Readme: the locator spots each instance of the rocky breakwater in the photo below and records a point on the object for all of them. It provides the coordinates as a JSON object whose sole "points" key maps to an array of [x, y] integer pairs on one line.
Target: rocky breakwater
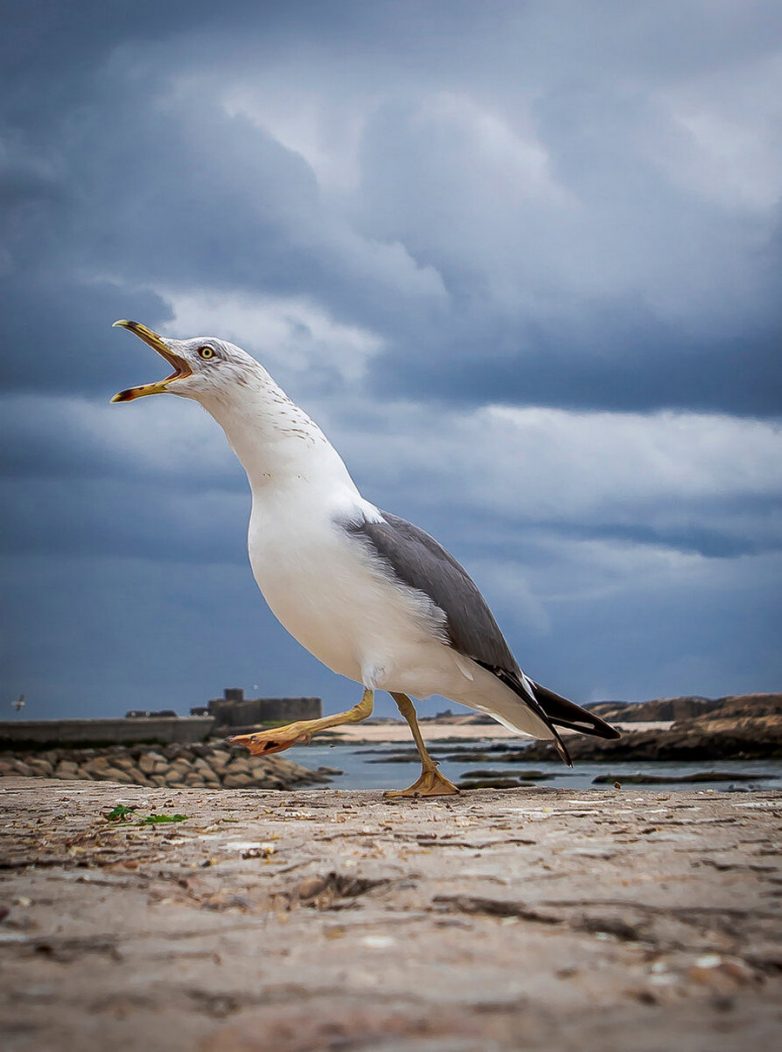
{"points": [[658, 710], [742, 727], [211, 766]]}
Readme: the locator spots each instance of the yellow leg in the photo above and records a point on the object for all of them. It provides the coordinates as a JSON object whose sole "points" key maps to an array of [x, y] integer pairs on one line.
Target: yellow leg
{"points": [[262, 743], [431, 782]]}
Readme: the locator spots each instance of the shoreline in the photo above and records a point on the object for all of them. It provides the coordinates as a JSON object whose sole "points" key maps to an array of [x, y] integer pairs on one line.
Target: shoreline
{"points": [[398, 731]]}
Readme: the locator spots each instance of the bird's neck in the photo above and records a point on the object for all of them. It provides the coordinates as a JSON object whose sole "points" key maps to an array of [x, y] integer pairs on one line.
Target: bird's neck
{"points": [[276, 441]]}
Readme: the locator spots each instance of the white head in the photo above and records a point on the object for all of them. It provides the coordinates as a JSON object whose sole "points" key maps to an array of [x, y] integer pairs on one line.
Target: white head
{"points": [[205, 368], [271, 435]]}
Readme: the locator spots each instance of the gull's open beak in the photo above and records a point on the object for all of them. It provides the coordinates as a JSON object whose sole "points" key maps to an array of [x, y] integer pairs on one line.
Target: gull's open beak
{"points": [[180, 366]]}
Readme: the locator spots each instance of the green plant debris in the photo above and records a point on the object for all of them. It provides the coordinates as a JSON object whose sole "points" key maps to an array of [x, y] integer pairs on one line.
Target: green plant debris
{"points": [[120, 813], [153, 820]]}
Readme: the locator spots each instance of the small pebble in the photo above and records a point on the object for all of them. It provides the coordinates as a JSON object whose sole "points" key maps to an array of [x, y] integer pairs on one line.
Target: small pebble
{"points": [[378, 942]]}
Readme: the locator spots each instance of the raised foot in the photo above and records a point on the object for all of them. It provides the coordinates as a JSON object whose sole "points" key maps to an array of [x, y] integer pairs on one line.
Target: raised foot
{"points": [[264, 743], [431, 783]]}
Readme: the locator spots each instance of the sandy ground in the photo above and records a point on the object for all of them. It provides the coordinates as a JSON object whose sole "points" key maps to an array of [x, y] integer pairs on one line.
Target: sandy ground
{"points": [[314, 920], [400, 732]]}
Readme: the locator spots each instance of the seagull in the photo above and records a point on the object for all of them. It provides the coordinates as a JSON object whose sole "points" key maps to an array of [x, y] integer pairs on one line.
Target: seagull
{"points": [[373, 597]]}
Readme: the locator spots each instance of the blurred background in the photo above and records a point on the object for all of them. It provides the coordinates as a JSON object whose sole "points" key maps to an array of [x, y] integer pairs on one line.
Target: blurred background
{"points": [[521, 261]]}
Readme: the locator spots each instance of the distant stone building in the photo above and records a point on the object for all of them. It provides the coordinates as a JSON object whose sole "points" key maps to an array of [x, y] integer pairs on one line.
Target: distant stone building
{"points": [[233, 711]]}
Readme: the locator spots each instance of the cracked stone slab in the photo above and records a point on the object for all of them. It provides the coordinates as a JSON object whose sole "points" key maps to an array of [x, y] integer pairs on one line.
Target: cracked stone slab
{"points": [[320, 919]]}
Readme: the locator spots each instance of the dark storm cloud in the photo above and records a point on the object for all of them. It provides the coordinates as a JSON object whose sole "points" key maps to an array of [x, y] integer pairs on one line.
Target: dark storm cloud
{"points": [[617, 357], [594, 280], [438, 205]]}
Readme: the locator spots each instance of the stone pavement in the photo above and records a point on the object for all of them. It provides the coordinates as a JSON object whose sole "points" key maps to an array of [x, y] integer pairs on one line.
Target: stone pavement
{"points": [[320, 919]]}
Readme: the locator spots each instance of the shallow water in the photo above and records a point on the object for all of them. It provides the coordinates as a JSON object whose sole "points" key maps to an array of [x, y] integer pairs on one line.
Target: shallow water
{"points": [[359, 773]]}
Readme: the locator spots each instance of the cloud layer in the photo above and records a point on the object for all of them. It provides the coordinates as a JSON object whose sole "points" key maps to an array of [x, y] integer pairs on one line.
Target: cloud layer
{"points": [[521, 261]]}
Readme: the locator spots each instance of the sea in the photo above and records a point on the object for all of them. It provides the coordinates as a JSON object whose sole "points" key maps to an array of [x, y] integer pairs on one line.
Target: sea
{"points": [[373, 766]]}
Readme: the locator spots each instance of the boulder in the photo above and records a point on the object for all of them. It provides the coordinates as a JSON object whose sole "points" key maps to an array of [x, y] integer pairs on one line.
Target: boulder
{"points": [[98, 764], [149, 762], [237, 780], [66, 769], [117, 774], [42, 767], [218, 758]]}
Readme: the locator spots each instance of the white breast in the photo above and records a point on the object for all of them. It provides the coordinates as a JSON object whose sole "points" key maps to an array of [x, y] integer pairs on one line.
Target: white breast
{"points": [[328, 593]]}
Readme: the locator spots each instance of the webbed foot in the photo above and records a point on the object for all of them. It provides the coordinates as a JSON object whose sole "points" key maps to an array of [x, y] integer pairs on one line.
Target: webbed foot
{"points": [[431, 783], [264, 743]]}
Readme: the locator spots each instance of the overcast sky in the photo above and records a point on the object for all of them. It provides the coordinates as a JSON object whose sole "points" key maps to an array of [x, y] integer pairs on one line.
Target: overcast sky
{"points": [[520, 260]]}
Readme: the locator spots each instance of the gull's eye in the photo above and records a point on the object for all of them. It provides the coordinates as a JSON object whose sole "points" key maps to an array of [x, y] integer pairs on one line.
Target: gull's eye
{"points": [[206, 353]]}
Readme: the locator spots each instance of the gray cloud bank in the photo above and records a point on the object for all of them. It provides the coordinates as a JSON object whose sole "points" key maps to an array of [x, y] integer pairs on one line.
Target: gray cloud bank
{"points": [[522, 261]]}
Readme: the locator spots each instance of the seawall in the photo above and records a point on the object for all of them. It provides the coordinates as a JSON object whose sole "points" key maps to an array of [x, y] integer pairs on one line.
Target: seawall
{"points": [[162, 729], [214, 765]]}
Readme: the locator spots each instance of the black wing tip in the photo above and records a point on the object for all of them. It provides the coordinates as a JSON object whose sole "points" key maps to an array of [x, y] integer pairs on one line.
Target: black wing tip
{"points": [[565, 713], [561, 748], [594, 730], [518, 685]]}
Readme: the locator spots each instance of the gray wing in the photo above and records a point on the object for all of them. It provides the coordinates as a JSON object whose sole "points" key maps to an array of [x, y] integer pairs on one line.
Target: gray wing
{"points": [[420, 562]]}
